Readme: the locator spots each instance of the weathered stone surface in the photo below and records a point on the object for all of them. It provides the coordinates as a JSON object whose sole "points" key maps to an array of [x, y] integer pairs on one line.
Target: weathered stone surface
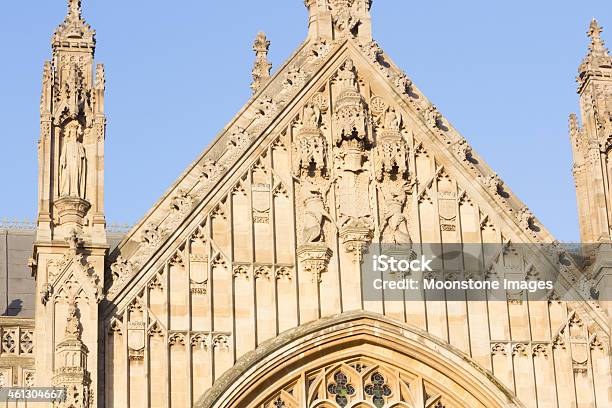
{"points": [[242, 286]]}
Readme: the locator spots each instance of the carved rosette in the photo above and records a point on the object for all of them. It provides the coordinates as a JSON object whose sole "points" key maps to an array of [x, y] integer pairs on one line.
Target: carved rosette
{"points": [[314, 259]]}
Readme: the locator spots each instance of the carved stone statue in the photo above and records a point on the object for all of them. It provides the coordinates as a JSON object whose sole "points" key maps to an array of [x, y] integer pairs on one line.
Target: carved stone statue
{"points": [[394, 217], [312, 116], [73, 329], [346, 76], [393, 120], [73, 162], [315, 212]]}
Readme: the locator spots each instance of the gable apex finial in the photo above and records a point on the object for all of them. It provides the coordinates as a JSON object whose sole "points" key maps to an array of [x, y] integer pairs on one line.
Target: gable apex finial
{"points": [[74, 8]]}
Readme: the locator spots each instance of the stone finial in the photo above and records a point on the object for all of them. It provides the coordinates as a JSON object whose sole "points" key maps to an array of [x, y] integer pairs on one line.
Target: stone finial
{"points": [[261, 70], [74, 8], [597, 49], [74, 28], [598, 56]]}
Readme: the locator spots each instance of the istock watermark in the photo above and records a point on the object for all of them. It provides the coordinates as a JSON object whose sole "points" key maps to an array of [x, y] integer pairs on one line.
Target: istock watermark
{"points": [[492, 272], [386, 263]]}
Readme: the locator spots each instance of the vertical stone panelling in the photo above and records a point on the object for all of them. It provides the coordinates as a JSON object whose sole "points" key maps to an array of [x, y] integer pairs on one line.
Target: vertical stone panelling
{"points": [[538, 319], [543, 367], [501, 359], [518, 310], [158, 298], [458, 325], [200, 354], [179, 288], [158, 374], [241, 226], [564, 374], [448, 214], [286, 302], [330, 289], [477, 310], [222, 295], [519, 319], [118, 379], [523, 374], [578, 345], [350, 281], [600, 359], [308, 296], [220, 228], [284, 232], [266, 302], [115, 366], [179, 371], [244, 308], [261, 196], [138, 383], [222, 355], [430, 234], [584, 388], [199, 281]]}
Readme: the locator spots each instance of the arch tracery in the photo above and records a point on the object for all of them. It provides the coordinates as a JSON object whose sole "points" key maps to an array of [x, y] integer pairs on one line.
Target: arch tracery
{"points": [[357, 360]]}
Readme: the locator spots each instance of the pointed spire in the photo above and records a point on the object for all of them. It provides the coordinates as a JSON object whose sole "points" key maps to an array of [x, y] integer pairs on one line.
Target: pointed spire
{"points": [[597, 48], [261, 70], [74, 30], [598, 56]]}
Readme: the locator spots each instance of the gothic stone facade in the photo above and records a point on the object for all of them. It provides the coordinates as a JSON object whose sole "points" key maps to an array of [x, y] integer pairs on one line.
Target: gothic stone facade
{"points": [[241, 287]]}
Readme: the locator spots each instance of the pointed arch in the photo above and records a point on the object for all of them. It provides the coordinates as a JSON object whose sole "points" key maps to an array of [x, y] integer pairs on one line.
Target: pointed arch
{"points": [[413, 369]]}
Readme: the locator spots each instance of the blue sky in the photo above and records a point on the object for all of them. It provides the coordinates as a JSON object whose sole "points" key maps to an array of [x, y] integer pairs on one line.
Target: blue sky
{"points": [[501, 72]]}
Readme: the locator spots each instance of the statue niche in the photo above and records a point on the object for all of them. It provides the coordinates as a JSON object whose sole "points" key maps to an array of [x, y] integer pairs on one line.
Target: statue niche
{"points": [[71, 205], [73, 162]]}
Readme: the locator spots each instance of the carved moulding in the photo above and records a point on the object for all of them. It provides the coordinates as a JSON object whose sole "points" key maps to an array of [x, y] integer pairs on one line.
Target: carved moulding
{"points": [[311, 145], [122, 270], [311, 150], [314, 259], [355, 238], [71, 211], [136, 340], [392, 152]]}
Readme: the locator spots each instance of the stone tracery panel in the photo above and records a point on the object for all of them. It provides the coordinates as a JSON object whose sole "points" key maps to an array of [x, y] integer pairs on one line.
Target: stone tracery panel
{"points": [[358, 382]]}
